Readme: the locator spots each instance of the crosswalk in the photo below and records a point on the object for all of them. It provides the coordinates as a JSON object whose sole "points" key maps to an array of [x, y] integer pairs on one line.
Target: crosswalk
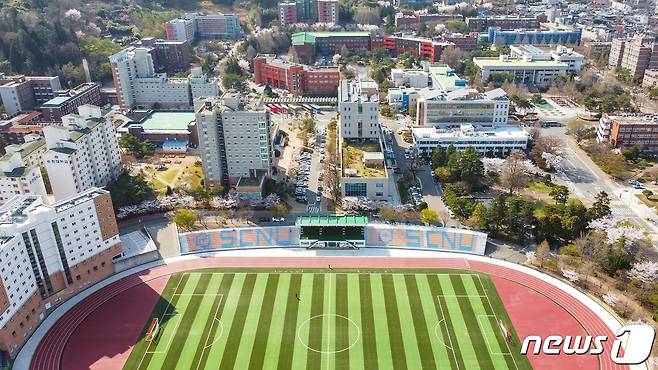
{"points": [[621, 210], [313, 208]]}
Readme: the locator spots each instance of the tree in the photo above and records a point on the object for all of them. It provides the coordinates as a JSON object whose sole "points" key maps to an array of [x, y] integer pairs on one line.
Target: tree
{"points": [[513, 175], [458, 26], [439, 156], [543, 251], [387, 214], [308, 124], [479, 215], [185, 218], [344, 52], [600, 207], [471, 168], [129, 190], [560, 194], [429, 216], [631, 153], [280, 209]]}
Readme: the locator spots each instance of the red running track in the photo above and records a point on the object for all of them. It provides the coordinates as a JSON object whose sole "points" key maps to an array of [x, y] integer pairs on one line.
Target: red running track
{"points": [[99, 332]]}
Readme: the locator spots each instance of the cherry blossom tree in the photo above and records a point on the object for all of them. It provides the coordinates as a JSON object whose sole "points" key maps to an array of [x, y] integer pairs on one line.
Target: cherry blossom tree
{"points": [[645, 271], [570, 275], [611, 299], [553, 161]]}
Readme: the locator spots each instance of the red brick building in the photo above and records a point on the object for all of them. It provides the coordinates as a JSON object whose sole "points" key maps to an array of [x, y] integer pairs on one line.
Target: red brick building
{"points": [[628, 131], [296, 78], [416, 46]]}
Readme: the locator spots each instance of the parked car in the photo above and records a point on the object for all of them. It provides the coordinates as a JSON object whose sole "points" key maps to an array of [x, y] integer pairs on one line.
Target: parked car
{"points": [[278, 219]]}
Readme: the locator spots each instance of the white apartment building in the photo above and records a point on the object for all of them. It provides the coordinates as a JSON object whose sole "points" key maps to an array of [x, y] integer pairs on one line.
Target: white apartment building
{"points": [[82, 153], [48, 253], [524, 70], [137, 83], [181, 30], [20, 169], [234, 140], [495, 141], [358, 108]]}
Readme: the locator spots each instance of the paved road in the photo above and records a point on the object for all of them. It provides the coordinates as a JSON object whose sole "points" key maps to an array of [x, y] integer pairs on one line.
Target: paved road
{"points": [[585, 179], [431, 191]]}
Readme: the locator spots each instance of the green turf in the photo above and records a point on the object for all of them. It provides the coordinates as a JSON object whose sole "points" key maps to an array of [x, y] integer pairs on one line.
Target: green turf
{"points": [[344, 319]]}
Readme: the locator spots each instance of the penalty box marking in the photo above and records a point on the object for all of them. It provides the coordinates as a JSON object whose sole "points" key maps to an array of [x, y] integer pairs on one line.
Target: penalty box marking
{"points": [[177, 316]]}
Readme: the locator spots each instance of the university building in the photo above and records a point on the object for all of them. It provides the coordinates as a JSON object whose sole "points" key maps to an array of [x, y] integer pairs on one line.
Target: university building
{"points": [[627, 131], [296, 78], [49, 253]]}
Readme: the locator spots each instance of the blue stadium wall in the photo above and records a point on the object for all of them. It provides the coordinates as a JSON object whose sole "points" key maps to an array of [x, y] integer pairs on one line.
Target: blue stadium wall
{"points": [[376, 236]]}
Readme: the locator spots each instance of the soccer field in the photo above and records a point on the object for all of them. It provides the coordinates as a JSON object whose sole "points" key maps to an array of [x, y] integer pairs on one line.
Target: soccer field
{"points": [[329, 319]]}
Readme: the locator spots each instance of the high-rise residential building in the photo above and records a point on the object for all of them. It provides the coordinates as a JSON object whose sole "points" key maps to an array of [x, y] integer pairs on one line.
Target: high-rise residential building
{"points": [[23, 93], [170, 56], [204, 26], [20, 171], [180, 29], [235, 142], [637, 55], [82, 153], [288, 12], [358, 107], [328, 11], [49, 253], [138, 84], [296, 78], [67, 101], [323, 11]]}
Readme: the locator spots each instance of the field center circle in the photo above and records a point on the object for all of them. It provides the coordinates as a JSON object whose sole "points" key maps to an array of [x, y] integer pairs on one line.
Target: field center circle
{"points": [[346, 321]]}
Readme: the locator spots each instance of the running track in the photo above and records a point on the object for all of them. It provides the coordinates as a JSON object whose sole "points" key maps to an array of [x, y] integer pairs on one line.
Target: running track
{"points": [[59, 348]]}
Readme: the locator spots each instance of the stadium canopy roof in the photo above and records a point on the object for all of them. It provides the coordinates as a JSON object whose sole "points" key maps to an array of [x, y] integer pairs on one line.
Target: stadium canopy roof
{"points": [[331, 221]]}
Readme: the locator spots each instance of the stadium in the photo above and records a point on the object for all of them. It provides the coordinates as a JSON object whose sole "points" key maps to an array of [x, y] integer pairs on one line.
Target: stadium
{"points": [[331, 292]]}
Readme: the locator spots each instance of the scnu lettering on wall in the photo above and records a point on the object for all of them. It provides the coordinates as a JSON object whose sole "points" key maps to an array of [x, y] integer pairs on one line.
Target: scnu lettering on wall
{"points": [[251, 237], [421, 237], [376, 236]]}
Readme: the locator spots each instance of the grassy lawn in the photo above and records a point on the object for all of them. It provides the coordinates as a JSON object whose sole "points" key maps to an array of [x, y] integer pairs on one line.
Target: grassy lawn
{"points": [[175, 177], [328, 319], [539, 187], [170, 174], [353, 158]]}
